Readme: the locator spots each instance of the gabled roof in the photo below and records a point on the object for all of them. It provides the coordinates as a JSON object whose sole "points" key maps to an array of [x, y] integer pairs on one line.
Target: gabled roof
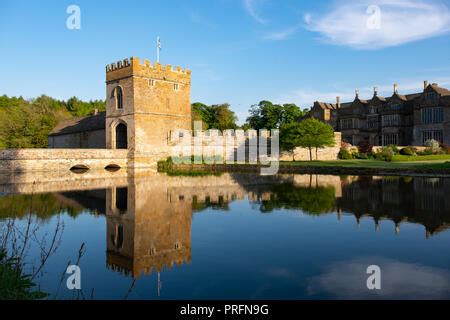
{"points": [[440, 90], [412, 96], [406, 98], [346, 104], [378, 97], [326, 106], [360, 100], [80, 124]]}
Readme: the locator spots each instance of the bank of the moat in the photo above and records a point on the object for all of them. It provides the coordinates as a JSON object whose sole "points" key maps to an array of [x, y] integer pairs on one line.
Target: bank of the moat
{"points": [[364, 167]]}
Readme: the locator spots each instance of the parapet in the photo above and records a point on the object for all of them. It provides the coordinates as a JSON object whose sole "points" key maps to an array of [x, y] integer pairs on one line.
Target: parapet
{"points": [[133, 66]]}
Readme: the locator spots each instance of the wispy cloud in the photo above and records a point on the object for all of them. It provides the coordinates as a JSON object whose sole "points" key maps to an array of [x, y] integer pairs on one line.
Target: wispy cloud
{"points": [[199, 19], [401, 21], [250, 7], [205, 71], [281, 35]]}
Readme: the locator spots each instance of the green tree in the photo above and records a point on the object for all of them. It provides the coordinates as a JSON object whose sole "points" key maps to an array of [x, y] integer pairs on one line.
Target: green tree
{"points": [[266, 115], [217, 116], [26, 124], [289, 137], [223, 117], [310, 133]]}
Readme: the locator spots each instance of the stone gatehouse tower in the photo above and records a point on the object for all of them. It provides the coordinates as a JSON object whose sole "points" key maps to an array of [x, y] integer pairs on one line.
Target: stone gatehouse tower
{"points": [[144, 103]]}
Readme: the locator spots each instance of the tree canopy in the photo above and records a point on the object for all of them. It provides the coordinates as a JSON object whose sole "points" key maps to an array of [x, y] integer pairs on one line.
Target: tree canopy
{"points": [[217, 116], [310, 133], [266, 115], [27, 123]]}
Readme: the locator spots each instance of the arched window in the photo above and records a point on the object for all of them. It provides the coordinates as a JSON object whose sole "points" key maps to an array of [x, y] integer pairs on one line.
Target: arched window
{"points": [[121, 136], [118, 96], [122, 199]]}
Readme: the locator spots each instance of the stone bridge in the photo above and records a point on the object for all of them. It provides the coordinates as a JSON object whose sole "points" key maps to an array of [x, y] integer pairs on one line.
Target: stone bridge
{"points": [[21, 160]]}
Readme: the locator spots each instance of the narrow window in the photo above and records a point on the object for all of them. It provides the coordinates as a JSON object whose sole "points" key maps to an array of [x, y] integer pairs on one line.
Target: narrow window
{"points": [[118, 96], [151, 82], [176, 87]]}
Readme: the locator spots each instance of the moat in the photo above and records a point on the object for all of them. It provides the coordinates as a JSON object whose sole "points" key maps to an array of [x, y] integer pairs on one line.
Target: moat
{"points": [[230, 236]]}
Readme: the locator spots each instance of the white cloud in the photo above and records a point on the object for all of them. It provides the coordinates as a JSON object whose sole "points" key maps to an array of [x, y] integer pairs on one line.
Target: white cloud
{"points": [[399, 280], [250, 7], [401, 21], [281, 35]]}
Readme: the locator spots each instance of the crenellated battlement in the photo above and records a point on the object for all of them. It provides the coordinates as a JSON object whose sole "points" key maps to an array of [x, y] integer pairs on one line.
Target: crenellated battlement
{"points": [[134, 66]]}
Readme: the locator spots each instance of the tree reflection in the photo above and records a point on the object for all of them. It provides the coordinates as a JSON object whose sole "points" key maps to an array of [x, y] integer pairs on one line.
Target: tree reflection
{"points": [[311, 200]]}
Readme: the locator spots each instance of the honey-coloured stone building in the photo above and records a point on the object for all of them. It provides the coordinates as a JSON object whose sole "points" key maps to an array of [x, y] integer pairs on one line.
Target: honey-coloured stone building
{"points": [[144, 103]]}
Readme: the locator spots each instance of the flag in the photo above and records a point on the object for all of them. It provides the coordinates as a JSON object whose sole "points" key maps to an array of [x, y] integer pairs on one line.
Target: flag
{"points": [[158, 43]]}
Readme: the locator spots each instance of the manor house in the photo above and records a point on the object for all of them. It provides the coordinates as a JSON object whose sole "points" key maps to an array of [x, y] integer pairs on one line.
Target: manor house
{"points": [[400, 119]]}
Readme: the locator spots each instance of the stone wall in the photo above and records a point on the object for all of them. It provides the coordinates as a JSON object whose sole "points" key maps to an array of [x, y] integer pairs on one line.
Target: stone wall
{"points": [[95, 139], [20, 160], [325, 154]]}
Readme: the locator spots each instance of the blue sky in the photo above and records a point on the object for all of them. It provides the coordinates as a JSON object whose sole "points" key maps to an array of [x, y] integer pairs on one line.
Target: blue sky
{"points": [[239, 51]]}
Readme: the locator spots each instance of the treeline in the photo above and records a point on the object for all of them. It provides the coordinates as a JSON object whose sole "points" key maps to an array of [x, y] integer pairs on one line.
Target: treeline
{"points": [[264, 115], [27, 123]]}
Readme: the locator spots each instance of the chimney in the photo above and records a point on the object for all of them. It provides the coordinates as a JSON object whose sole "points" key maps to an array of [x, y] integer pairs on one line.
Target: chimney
{"points": [[338, 102], [375, 91], [357, 93], [95, 111], [395, 88], [425, 84]]}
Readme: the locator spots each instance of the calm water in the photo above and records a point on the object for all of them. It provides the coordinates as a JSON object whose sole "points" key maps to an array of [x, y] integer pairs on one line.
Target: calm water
{"points": [[231, 236]]}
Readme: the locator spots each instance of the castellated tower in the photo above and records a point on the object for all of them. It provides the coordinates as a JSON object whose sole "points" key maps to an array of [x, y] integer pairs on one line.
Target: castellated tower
{"points": [[144, 103]]}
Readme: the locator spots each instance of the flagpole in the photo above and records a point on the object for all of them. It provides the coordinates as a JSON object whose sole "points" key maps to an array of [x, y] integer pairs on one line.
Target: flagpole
{"points": [[158, 47]]}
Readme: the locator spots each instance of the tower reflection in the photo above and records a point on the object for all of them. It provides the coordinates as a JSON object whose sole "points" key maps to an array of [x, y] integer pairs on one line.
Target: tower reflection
{"points": [[146, 231]]}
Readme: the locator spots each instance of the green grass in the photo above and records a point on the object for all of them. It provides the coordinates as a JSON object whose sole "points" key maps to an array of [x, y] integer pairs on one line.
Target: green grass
{"points": [[432, 164], [400, 157]]}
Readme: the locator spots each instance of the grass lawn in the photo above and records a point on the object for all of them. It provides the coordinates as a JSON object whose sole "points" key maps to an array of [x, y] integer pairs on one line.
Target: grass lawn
{"points": [[432, 164], [400, 157]]}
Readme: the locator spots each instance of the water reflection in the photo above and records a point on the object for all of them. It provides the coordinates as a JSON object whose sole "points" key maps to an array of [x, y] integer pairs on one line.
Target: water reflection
{"points": [[346, 280], [149, 217], [146, 230]]}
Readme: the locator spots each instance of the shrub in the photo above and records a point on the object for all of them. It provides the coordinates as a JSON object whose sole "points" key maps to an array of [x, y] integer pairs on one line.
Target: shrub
{"points": [[434, 146], [345, 145], [425, 152], [365, 147], [15, 284], [445, 148], [385, 154], [408, 151], [360, 155], [344, 154], [394, 149]]}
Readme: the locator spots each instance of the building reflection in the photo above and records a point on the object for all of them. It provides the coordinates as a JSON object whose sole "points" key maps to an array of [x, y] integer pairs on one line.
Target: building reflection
{"points": [[423, 201], [146, 231], [149, 218]]}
